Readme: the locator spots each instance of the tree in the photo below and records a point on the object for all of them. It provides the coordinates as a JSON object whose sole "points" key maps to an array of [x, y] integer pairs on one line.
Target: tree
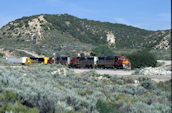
{"points": [[142, 59], [102, 50]]}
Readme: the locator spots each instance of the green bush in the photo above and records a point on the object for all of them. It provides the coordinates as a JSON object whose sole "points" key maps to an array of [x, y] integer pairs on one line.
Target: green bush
{"points": [[105, 107], [17, 108], [11, 96], [86, 92], [102, 50], [1, 54], [142, 59], [148, 84], [165, 86]]}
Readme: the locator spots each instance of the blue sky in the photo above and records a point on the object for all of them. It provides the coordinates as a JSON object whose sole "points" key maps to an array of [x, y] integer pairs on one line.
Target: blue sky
{"points": [[146, 14]]}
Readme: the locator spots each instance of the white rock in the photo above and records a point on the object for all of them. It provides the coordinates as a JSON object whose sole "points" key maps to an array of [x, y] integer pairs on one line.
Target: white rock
{"points": [[154, 71]]}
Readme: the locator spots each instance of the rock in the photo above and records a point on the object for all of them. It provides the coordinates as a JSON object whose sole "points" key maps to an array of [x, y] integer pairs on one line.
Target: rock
{"points": [[154, 71], [136, 81]]}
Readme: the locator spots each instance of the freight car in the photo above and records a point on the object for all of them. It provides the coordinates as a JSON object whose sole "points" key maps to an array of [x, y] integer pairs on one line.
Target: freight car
{"points": [[62, 60], [31, 60]]}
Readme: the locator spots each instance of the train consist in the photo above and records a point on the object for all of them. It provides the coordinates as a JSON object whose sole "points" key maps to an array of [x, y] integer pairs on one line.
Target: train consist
{"points": [[79, 62]]}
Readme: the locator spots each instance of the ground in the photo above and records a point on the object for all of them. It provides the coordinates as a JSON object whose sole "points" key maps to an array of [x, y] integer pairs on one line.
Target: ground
{"points": [[131, 73]]}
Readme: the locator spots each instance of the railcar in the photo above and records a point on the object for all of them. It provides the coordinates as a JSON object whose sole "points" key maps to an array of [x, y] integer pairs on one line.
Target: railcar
{"points": [[83, 62]]}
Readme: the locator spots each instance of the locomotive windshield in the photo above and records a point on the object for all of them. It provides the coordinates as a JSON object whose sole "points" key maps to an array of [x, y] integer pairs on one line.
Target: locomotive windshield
{"points": [[122, 58]]}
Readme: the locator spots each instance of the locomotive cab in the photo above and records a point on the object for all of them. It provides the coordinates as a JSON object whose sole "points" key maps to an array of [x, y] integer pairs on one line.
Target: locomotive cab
{"points": [[122, 62]]}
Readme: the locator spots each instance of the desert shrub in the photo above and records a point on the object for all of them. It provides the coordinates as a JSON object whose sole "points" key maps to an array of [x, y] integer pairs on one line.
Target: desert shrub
{"points": [[129, 90], [127, 79], [17, 108], [142, 59], [165, 86], [141, 79], [105, 107], [121, 98], [46, 105], [91, 73], [86, 92], [102, 50], [10, 96], [140, 107], [43, 86], [11, 27], [149, 84], [121, 80], [140, 90], [1, 54]]}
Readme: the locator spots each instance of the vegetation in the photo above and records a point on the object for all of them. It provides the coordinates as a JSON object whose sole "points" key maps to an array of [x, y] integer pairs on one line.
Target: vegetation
{"points": [[162, 54], [55, 88], [17, 108], [142, 58], [1, 54], [9, 103], [102, 50], [62, 30]]}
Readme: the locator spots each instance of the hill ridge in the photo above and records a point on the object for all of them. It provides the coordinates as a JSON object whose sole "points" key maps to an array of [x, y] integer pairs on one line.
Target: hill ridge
{"points": [[55, 33]]}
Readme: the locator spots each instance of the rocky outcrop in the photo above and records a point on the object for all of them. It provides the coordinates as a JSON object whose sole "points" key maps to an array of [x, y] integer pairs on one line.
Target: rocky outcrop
{"points": [[154, 71], [164, 43], [111, 39]]}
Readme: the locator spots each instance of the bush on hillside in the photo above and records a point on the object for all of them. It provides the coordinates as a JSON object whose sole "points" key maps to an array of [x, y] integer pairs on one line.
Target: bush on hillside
{"points": [[149, 84], [142, 59], [1, 55], [102, 50]]}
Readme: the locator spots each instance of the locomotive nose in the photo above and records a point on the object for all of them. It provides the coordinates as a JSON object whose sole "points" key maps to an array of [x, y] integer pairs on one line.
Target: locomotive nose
{"points": [[126, 64]]}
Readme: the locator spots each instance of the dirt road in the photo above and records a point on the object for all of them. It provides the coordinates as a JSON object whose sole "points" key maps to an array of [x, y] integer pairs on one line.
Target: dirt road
{"points": [[129, 73], [121, 72], [106, 71]]}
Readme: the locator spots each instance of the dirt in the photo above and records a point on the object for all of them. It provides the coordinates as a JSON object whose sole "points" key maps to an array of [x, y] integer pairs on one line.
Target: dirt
{"points": [[123, 73], [30, 53], [119, 72], [8, 53], [130, 73]]}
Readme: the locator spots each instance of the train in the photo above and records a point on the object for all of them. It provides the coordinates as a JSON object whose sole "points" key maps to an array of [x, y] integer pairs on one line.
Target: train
{"points": [[120, 62]]}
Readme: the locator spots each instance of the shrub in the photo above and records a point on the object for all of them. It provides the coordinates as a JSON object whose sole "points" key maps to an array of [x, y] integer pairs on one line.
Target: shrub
{"points": [[142, 59], [17, 108], [140, 107], [105, 107], [49, 89], [11, 96], [165, 86], [1, 54], [86, 92], [148, 84], [141, 79], [102, 50]]}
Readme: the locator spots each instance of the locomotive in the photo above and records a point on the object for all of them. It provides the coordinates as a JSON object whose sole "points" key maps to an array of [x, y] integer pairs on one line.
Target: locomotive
{"points": [[121, 62]]}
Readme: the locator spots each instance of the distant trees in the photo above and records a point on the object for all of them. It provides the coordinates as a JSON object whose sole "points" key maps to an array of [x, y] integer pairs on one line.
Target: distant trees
{"points": [[142, 58], [102, 50]]}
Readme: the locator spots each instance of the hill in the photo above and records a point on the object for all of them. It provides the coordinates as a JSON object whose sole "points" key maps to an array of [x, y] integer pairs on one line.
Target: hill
{"points": [[68, 35]]}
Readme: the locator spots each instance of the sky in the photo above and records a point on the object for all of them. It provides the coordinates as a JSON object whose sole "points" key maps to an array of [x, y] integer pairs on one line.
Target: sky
{"points": [[145, 14]]}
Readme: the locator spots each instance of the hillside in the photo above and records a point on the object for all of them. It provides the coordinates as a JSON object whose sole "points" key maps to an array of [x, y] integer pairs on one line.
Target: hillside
{"points": [[68, 35]]}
